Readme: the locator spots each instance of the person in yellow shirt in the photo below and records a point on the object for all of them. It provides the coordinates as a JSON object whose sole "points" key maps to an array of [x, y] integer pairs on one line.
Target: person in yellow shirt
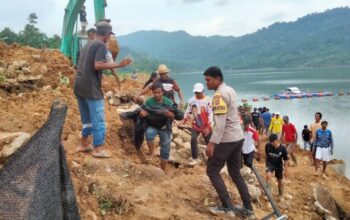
{"points": [[276, 125]]}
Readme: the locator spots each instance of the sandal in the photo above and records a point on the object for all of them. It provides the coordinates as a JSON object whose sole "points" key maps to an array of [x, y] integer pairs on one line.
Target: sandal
{"points": [[85, 149], [101, 154]]}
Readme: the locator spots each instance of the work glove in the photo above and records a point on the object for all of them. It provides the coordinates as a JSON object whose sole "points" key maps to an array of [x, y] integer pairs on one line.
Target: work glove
{"points": [[331, 152]]}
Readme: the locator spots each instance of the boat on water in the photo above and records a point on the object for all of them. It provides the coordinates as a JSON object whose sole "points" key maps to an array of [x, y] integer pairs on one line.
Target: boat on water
{"points": [[294, 92]]}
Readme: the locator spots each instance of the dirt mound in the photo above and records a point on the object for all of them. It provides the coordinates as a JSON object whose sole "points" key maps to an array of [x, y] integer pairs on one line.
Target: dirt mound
{"points": [[122, 187], [23, 68]]}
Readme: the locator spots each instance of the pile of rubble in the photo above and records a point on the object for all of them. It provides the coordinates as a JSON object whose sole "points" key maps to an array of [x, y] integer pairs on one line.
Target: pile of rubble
{"points": [[180, 146], [119, 98], [25, 68]]}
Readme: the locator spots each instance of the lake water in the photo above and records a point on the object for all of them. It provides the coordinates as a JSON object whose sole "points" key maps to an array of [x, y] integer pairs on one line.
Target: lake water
{"points": [[267, 82]]}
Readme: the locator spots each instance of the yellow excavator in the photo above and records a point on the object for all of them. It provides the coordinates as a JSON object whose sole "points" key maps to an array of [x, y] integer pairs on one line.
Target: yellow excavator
{"points": [[72, 43]]}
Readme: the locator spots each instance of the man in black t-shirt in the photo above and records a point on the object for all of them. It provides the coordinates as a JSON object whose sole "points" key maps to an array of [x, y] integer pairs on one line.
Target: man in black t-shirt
{"points": [[255, 118], [87, 89], [276, 159], [306, 137]]}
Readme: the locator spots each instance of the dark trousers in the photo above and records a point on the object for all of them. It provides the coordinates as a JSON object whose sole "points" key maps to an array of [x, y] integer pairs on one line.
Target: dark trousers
{"points": [[230, 153], [194, 142], [248, 159]]}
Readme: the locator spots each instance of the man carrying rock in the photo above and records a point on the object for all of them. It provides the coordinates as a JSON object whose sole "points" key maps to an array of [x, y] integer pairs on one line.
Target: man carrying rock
{"points": [[324, 147], [225, 146], [200, 111], [87, 89]]}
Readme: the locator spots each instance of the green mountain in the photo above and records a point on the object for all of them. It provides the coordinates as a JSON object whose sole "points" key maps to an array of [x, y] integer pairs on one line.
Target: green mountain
{"points": [[319, 39]]}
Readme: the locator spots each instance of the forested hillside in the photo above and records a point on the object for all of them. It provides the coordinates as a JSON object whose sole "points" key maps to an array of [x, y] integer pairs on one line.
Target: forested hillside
{"points": [[319, 39]]}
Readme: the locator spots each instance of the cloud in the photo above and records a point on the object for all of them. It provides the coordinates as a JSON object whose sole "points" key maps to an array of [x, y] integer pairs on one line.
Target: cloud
{"points": [[222, 17], [222, 2], [274, 17], [191, 1]]}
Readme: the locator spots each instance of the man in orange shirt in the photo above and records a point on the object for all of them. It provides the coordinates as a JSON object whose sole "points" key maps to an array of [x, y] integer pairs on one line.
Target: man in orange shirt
{"points": [[313, 128]]}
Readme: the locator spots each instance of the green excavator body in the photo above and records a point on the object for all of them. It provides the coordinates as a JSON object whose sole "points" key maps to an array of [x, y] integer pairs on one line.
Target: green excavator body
{"points": [[71, 42]]}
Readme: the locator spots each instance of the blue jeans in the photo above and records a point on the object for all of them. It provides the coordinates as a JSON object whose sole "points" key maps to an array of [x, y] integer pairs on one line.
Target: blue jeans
{"points": [[307, 144], [92, 117], [165, 139]]}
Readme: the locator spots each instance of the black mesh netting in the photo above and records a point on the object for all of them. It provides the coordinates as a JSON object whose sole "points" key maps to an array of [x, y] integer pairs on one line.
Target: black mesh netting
{"points": [[35, 181]]}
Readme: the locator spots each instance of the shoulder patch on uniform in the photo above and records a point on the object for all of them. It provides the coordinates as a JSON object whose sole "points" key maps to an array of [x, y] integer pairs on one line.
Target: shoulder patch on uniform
{"points": [[218, 106]]}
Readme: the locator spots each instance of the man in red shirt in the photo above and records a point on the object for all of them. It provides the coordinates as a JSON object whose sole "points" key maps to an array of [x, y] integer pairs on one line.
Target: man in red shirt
{"points": [[290, 137]]}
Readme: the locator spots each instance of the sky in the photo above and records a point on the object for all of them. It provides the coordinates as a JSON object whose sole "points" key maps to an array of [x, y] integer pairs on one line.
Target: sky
{"points": [[197, 17]]}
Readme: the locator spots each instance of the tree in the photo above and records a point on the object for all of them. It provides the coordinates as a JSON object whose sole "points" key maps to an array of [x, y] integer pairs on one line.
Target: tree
{"points": [[54, 42], [8, 36], [32, 18], [31, 35]]}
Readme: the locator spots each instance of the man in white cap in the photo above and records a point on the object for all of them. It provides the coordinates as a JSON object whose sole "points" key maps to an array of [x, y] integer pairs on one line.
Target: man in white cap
{"points": [[169, 84], [199, 110]]}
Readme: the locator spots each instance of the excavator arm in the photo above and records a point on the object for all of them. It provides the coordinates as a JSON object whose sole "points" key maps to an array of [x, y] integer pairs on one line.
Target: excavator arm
{"points": [[70, 17]]}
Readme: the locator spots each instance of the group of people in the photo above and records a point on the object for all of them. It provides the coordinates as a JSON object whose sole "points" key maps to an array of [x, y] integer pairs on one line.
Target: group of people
{"points": [[282, 142], [320, 141], [217, 120]]}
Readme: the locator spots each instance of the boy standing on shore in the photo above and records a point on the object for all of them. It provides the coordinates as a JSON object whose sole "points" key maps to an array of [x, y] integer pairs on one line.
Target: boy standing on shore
{"points": [[276, 161]]}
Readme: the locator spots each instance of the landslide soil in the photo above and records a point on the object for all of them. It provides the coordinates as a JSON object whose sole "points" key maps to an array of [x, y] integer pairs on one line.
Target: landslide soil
{"points": [[122, 187]]}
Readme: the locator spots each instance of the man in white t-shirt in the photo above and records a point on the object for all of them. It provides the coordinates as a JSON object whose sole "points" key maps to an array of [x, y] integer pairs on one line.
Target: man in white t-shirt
{"points": [[251, 136], [200, 111]]}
